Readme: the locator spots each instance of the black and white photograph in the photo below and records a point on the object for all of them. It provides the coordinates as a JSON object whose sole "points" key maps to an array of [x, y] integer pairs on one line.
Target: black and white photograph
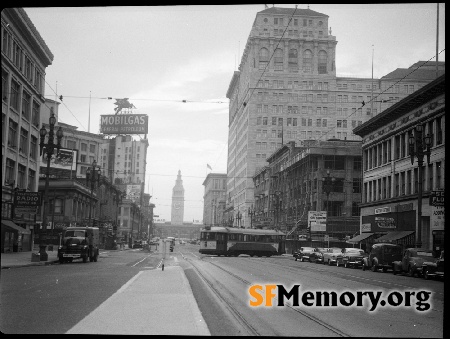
{"points": [[223, 170]]}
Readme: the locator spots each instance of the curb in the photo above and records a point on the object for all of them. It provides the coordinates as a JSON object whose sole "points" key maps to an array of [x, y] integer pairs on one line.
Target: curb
{"points": [[44, 263]]}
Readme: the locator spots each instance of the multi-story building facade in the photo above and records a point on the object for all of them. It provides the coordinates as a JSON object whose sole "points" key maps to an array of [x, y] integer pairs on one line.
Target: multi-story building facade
{"points": [[286, 89], [295, 182], [177, 209], [124, 159], [25, 56], [214, 199], [390, 197]]}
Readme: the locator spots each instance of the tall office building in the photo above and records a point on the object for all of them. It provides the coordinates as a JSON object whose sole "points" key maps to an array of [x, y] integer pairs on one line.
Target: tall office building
{"points": [[286, 89], [177, 202]]}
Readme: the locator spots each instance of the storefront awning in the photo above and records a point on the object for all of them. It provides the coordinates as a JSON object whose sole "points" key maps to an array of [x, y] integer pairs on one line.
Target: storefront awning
{"points": [[9, 224], [391, 236], [360, 237]]}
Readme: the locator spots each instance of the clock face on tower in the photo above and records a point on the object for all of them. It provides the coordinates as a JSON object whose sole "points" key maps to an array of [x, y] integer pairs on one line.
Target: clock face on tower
{"points": [[177, 205]]}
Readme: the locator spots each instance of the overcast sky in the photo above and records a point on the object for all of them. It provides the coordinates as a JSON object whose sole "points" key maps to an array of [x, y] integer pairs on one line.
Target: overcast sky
{"points": [[159, 56]]}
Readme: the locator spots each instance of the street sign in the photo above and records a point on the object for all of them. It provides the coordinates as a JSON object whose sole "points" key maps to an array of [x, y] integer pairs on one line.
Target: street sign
{"points": [[27, 199]]}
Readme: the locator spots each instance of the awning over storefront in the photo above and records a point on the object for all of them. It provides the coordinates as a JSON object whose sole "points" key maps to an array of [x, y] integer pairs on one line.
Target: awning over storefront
{"points": [[360, 237], [10, 225], [393, 236]]}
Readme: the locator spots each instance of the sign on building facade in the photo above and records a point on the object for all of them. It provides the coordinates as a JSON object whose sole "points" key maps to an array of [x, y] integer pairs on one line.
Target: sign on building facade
{"points": [[124, 124], [317, 220]]}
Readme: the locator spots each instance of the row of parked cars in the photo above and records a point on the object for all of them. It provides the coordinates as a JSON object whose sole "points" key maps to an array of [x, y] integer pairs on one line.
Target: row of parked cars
{"points": [[383, 256]]}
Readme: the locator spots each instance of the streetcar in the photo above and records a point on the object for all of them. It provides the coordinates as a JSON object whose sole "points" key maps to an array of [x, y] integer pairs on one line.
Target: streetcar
{"points": [[229, 241]]}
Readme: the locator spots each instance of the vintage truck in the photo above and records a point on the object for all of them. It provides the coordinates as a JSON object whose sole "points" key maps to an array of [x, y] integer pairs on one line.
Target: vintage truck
{"points": [[79, 243]]}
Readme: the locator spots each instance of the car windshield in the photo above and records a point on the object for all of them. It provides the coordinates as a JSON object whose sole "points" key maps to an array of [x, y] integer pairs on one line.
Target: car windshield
{"points": [[335, 250], [74, 234], [355, 250], [392, 250], [307, 249]]}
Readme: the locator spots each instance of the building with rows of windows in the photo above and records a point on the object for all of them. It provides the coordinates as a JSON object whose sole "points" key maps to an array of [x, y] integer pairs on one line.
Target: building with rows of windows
{"points": [[389, 208], [25, 56], [286, 89]]}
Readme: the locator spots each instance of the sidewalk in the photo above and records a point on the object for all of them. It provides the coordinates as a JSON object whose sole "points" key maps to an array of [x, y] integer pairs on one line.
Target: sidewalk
{"points": [[23, 259], [152, 302]]}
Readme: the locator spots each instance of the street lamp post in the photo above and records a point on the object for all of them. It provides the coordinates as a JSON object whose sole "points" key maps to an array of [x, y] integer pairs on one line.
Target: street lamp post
{"points": [[418, 147], [328, 183], [48, 149], [238, 218], [117, 198], [92, 177], [251, 213]]}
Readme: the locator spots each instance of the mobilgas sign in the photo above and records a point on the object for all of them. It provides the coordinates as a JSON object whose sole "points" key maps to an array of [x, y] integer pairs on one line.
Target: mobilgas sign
{"points": [[124, 124], [23, 199]]}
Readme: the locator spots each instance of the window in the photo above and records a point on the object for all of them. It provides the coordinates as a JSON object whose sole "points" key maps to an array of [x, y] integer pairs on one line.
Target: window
{"points": [[26, 105], [439, 183], [33, 147], [21, 176], [322, 63], [264, 121], [82, 157], [23, 143], [278, 60], [28, 69], [318, 123], [57, 206], [339, 123], [92, 148], [307, 61], [31, 180], [83, 147], [71, 144], [15, 89], [439, 131], [12, 135], [35, 114], [9, 173], [263, 58]]}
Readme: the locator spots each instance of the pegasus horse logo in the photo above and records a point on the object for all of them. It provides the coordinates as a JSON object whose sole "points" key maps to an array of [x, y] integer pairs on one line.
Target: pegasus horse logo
{"points": [[122, 103]]}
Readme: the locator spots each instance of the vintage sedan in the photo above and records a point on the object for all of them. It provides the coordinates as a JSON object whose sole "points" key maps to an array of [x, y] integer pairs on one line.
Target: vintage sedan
{"points": [[382, 256], [318, 255], [412, 261], [305, 253], [352, 257], [433, 269], [332, 255]]}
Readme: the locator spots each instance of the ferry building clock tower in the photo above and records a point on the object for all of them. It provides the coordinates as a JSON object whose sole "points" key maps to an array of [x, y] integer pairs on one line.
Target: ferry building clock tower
{"points": [[177, 201]]}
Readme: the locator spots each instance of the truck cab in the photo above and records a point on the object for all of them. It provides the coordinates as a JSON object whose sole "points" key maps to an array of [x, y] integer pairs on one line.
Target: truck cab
{"points": [[79, 243]]}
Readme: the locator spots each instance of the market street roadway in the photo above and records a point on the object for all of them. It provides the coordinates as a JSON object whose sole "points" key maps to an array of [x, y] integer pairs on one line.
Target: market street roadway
{"points": [[53, 299]]}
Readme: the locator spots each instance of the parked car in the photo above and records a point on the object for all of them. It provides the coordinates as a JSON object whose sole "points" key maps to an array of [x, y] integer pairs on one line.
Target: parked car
{"points": [[332, 255], [317, 256], [412, 261], [352, 257], [304, 253], [433, 269], [382, 256], [137, 244]]}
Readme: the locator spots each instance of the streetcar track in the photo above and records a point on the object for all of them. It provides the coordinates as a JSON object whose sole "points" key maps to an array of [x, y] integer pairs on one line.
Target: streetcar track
{"points": [[302, 312], [236, 314]]}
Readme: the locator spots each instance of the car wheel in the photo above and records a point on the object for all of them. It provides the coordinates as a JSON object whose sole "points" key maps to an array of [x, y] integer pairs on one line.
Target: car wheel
{"points": [[301, 259], [374, 267], [425, 274], [295, 258], [329, 262], [337, 263]]}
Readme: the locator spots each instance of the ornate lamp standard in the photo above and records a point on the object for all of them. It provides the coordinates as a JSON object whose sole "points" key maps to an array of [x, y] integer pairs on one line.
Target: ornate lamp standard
{"points": [[92, 178], [230, 220], [48, 149], [117, 198], [418, 147], [238, 218], [251, 213]]}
